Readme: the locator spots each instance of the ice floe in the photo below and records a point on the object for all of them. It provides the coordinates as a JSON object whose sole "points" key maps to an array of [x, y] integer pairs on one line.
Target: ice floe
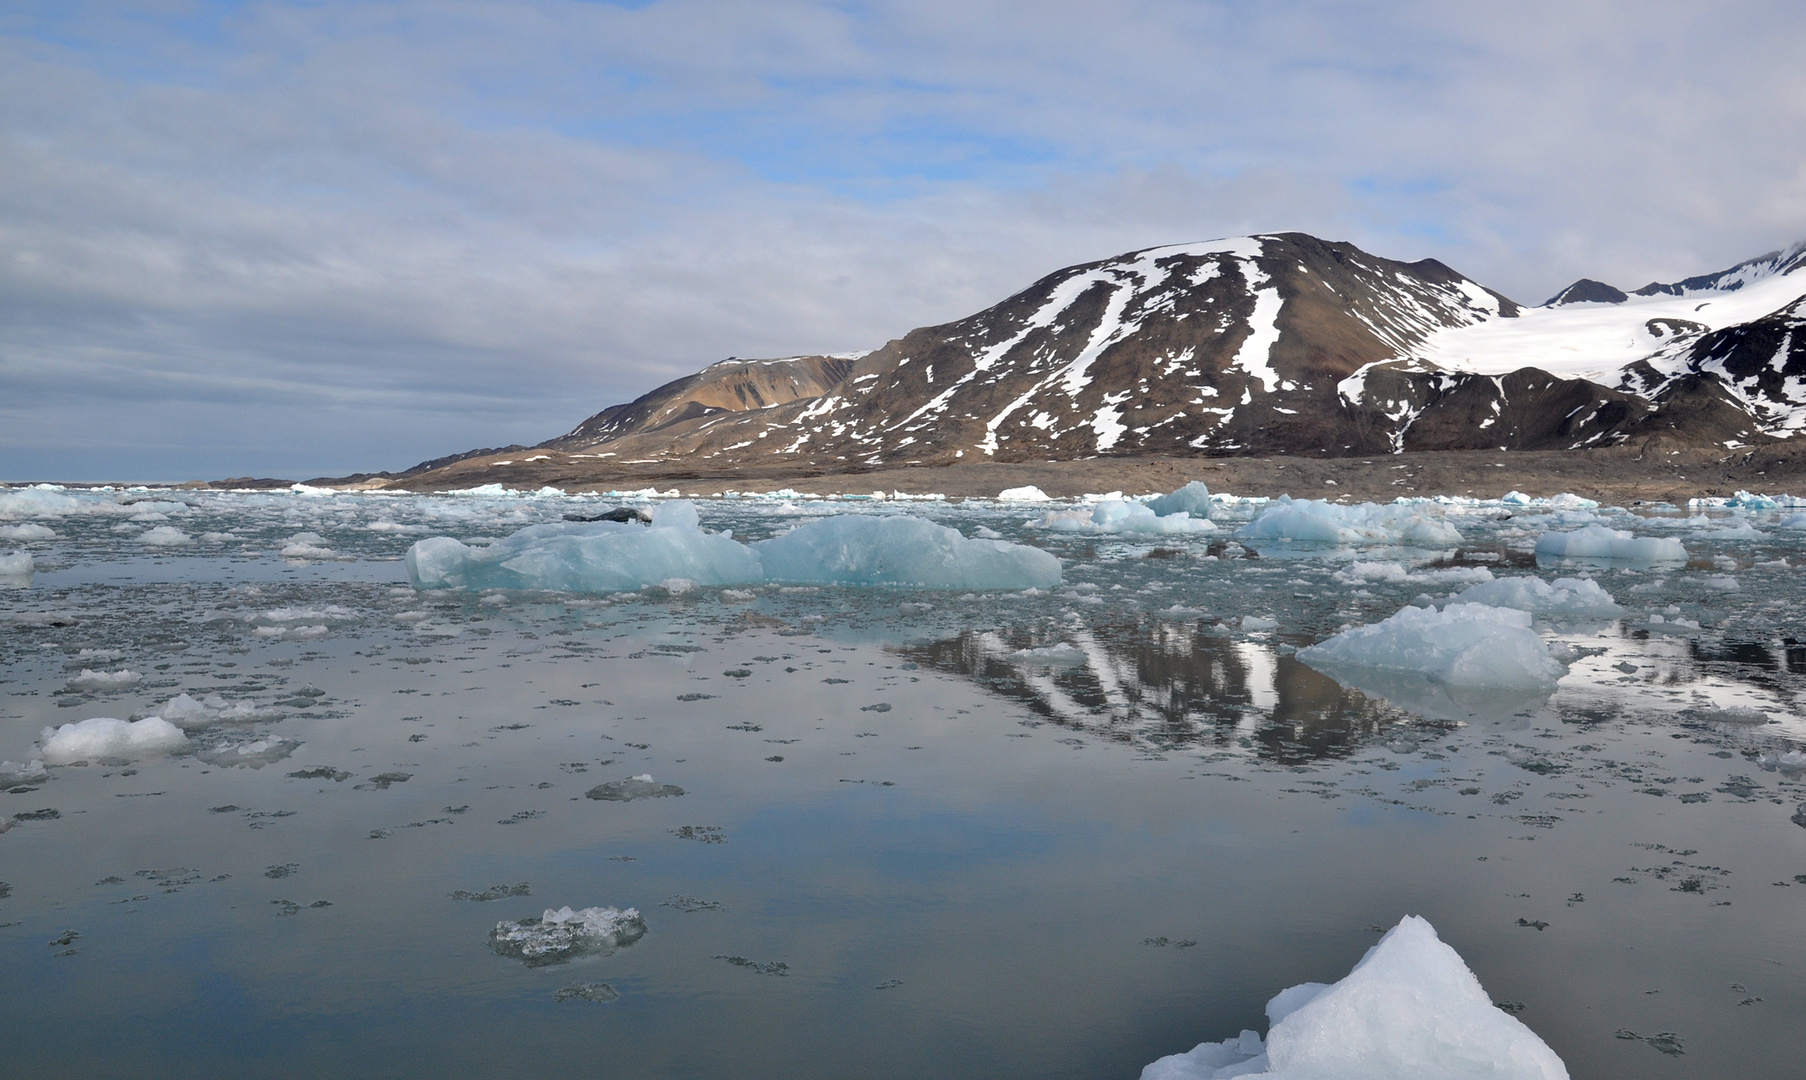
{"points": [[562, 935], [105, 680], [28, 531], [1600, 542], [1569, 598], [165, 536], [104, 736], [1123, 516], [1467, 645], [1315, 521], [1410, 1008]]}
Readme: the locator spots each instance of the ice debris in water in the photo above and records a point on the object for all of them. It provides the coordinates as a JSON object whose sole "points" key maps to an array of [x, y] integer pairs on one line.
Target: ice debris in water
{"points": [[1121, 516], [1467, 645], [310, 545], [1318, 522], [16, 565], [1193, 499], [562, 935], [634, 787], [105, 680], [850, 549], [12, 772], [1575, 598], [1599, 542], [103, 736], [1410, 1008]]}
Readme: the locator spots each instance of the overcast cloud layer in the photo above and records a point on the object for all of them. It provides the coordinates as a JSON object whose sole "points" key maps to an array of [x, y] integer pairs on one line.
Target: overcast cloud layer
{"points": [[305, 239]]}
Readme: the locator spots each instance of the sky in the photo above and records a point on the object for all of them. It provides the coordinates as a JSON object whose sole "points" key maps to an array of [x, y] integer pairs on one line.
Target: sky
{"points": [[306, 239]]}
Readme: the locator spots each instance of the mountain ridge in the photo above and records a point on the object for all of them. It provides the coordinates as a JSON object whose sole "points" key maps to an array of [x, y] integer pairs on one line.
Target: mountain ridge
{"points": [[1269, 344]]}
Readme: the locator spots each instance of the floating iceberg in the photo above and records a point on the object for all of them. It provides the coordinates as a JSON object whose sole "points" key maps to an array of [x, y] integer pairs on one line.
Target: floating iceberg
{"points": [[1410, 1008], [1193, 499], [188, 714], [1121, 516], [588, 556], [1464, 645], [1029, 493], [1599, 542], [561, 935], [104, 736], [17, 565], [844, 549], [858, 549], [1315, 521], [1570, 598]]}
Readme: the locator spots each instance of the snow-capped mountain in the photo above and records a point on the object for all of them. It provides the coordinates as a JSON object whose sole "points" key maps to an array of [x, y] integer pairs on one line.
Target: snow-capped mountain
{"points": [[1264, 344]]}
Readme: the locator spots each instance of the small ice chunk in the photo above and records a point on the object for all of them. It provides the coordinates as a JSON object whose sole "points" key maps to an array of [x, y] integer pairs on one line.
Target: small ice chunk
{"points": [[1721, 582], [103, 736], [1575, 598], [18, 564], [561, 935], [1258, 623], [1028, 493], [1600, 542], [105, 680], [1410, 1008], [1466, 645], [1193, 499], [634, 787], [165, 536]]}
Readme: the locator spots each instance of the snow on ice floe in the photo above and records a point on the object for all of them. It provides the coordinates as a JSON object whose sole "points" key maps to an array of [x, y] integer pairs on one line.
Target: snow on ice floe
{"points": [[1600, 542], [844, 549], [1315, 521], [1474, 646], [106, 737], [1563, 598], [1121, 516], [1410, 1008], [562, 935]]}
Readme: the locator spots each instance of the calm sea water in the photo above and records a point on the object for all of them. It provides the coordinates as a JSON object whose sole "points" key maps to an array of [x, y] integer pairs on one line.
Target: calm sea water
{"points": [[902, 849]]}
